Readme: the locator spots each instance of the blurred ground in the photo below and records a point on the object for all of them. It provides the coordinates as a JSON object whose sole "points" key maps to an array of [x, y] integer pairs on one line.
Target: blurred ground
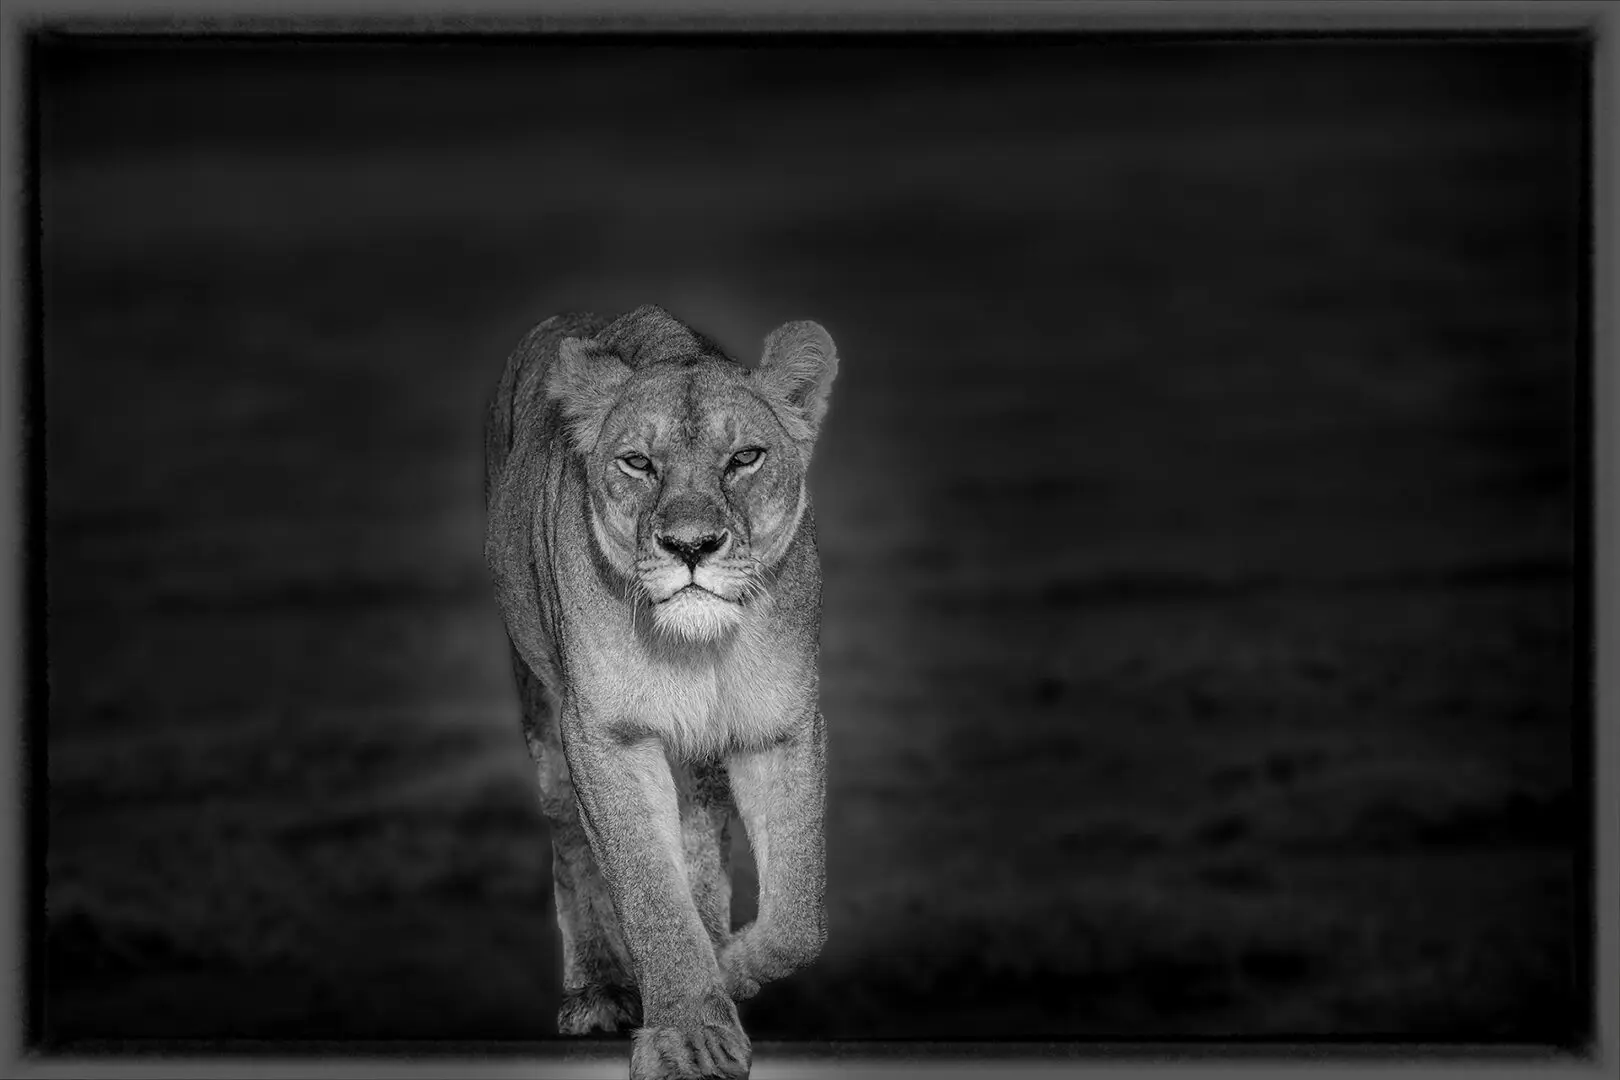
{"points": [[1195, 509]]}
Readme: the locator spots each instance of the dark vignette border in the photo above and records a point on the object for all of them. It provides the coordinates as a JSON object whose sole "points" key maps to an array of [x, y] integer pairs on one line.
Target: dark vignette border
{"points": [[260, 31]]}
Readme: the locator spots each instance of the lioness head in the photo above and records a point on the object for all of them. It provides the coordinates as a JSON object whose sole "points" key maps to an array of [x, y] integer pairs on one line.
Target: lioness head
{"points": [[696, 466]]}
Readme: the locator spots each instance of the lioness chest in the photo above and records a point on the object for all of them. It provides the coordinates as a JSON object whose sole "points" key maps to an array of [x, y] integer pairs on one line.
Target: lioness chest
{"points": [[746, 696]]}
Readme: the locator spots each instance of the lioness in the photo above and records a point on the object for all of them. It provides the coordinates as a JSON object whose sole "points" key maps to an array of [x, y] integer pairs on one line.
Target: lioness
{"points": [[654, 555]]}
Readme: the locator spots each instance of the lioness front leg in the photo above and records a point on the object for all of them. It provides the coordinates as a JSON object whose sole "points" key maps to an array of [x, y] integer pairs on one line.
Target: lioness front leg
{"points": [[781, 796], [628, 804], [599, 993]]}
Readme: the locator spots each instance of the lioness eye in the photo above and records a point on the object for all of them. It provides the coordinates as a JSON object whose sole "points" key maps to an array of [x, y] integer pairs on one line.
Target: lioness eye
{"points": [[744, 458], [638, 462]]}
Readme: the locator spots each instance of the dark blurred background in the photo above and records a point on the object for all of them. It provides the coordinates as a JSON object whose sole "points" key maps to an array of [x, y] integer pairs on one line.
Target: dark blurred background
{"points": [[1196, 508]]}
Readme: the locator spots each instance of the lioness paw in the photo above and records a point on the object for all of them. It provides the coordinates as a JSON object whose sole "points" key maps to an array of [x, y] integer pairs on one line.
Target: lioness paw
{"points": [[599, 1008], [736, 973], [759, 954], [711, 1046]]}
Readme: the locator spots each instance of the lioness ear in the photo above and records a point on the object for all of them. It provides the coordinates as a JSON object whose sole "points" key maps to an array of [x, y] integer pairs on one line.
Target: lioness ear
{"points": [[799, 365], [586, 378]]}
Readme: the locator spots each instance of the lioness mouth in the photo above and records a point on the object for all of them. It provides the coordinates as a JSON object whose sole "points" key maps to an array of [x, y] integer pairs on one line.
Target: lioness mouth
{"points": [[694, 587]]}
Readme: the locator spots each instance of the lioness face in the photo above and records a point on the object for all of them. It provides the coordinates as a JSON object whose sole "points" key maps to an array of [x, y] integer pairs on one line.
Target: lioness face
{"points": [[696, 469], [698, 490]]}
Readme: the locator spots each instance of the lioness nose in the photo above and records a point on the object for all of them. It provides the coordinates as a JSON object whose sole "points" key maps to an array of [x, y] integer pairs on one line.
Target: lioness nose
{"points": [[693, 550]]}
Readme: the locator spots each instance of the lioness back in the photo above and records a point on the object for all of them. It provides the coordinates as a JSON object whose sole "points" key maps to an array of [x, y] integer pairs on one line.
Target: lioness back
{"points": [[537, 349]]}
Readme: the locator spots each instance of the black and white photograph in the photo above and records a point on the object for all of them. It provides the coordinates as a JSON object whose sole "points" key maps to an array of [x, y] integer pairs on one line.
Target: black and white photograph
{"points": [[673, 547]]}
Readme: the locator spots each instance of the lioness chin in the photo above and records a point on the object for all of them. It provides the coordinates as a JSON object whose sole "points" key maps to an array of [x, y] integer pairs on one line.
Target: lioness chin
{"points": [[653, 551]]}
